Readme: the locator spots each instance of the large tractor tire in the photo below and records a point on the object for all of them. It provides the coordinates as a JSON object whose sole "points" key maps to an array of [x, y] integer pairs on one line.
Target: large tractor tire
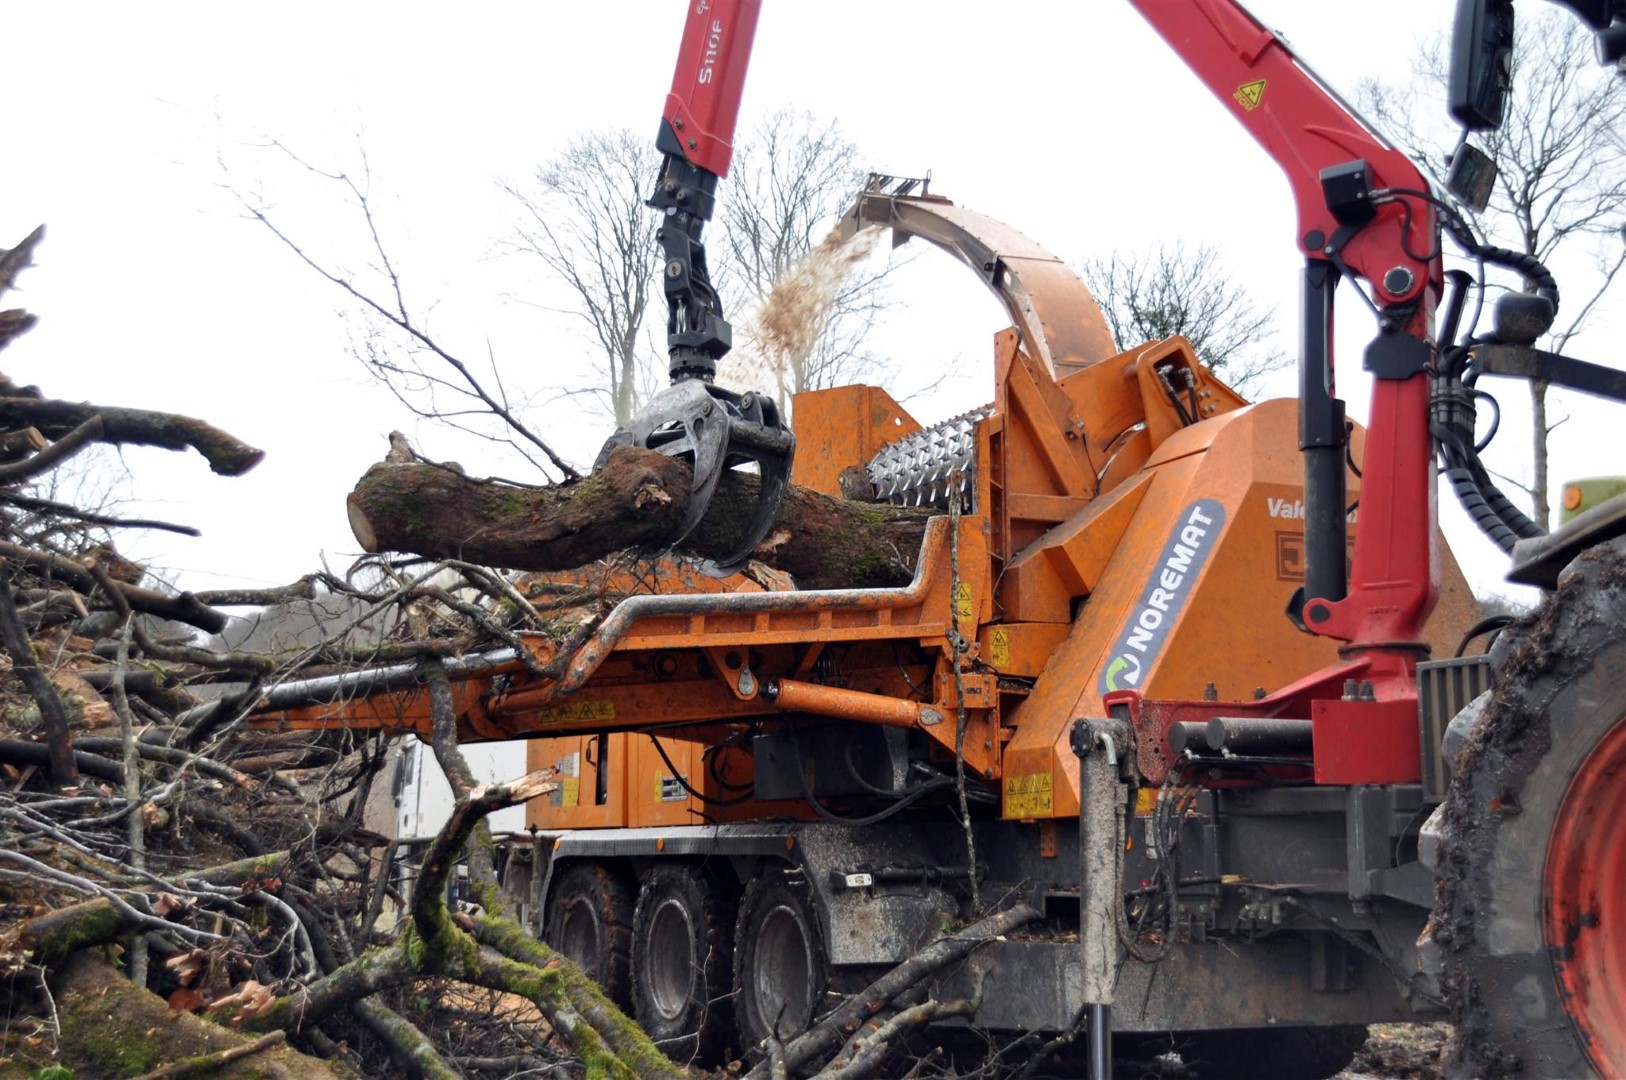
{"points": [[780, 975], [1271, 1053], [683, 962], [1531, 914], [589, 921]]}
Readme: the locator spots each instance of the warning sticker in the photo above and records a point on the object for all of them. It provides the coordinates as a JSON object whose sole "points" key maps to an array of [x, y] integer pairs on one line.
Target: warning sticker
{"points": [[1028, 796], [965, 606], [999, 648], [569, 769], [1250, 94], [576, 710]]}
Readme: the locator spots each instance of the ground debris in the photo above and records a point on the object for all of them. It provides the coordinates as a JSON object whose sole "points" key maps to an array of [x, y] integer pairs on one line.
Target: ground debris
{"points": [[1401, 1052]]}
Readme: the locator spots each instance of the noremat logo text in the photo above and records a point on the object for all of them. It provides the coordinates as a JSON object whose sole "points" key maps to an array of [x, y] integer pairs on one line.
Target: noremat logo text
{"points": [[1172, 577]]}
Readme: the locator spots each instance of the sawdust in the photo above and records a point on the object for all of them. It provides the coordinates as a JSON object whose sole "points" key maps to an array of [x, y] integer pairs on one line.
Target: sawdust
{"points": [[785, 329]]}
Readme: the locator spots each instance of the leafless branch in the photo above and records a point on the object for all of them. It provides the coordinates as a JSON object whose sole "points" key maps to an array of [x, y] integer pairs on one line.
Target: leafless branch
{"points": [[396, 311]]}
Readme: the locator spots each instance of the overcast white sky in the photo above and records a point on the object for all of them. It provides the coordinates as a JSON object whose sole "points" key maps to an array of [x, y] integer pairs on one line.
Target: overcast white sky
{"points": [[1070, 121]]}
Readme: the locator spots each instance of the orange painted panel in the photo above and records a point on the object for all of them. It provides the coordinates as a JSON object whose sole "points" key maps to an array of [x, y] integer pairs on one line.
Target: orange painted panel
{"points": [[840, 428], [1221, 526]]}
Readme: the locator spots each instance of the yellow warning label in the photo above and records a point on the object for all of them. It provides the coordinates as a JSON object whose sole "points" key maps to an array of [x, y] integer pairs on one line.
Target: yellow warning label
{"points": [[1028, 796], [570, 791], [575, 711], [999, 649], [1250, 94], [965, 606], [1145, 800], [670, 788]]}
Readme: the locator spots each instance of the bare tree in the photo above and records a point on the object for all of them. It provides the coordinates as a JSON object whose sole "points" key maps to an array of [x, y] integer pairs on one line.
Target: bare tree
{"points": [[1562, 166], [1175, 290], [395, 344], [585, 218], [793, 176]]}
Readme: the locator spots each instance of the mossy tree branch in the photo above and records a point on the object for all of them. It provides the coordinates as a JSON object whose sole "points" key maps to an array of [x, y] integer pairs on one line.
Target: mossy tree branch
{"points": [[634, 501]]}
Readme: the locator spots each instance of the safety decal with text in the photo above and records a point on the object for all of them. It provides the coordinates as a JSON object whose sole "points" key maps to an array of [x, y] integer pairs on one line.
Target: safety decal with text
{"points": [[999, 648], [965, 605], [569, 768], [1250, 94], [1195, 533], [1029, 796], [575, 710]]}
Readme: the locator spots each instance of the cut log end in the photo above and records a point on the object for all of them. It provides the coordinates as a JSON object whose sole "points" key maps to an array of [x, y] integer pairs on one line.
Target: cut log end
{"points": [[360, 527]]}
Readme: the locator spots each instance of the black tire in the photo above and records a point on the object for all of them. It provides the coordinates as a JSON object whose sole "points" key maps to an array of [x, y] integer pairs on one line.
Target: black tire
{"points": [[683, 962], [590, 911], [780, 974], [1560, 696], [1293, 1053]]}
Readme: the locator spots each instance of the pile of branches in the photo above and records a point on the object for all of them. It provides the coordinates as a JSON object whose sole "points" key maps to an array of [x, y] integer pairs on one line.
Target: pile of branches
{"points": [[227, 871]]}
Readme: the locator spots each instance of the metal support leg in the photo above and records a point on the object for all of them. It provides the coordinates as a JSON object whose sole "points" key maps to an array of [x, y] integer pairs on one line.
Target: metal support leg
{"points": [[1100, 1017], [1100, 844]]}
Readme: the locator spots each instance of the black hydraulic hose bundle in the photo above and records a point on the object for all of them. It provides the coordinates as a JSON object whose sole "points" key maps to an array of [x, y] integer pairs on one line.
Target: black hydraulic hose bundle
{"points": [[1490, 509], [1452, 422]]}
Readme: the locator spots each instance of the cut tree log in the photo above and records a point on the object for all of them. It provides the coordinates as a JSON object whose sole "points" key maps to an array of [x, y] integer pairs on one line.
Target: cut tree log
{"points": [[635, 501]]}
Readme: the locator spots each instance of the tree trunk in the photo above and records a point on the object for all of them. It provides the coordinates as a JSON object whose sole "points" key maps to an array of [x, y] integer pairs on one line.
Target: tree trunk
{"points": [[1542, 509], [635, 501]]}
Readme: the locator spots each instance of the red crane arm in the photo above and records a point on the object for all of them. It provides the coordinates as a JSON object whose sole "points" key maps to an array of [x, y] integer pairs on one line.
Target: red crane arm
{"points": [[1308, 129], [704, 104], [1363, 210]]}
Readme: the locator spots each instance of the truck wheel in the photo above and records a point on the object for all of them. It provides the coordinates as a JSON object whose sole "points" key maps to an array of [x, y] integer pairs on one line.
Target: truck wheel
{"points": [[590, 922], [682, 961], [1530, 917], [1296, 1053], [779, 969]]}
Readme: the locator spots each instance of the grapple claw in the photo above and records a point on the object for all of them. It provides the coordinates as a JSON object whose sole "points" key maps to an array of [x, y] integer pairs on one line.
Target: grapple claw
{"points": [[716, 430]]}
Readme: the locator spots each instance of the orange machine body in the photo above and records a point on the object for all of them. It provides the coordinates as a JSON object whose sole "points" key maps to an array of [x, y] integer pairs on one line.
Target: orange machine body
{"points": [[1132, 524]]}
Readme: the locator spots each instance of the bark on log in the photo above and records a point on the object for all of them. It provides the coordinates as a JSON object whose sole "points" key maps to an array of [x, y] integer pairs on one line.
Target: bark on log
{"points": [[51, 938], [53, 713], [636, 500], [22, 753], [109, 1026], [182, 607], [138, 427]]}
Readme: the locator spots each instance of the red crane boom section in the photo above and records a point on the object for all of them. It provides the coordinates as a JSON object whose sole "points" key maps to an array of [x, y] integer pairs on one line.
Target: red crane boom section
{"points": [[704, 104], [1309, 130]]}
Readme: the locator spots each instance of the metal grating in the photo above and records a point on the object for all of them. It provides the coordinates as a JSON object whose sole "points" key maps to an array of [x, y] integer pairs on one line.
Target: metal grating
{"points": [[1444, 688]]}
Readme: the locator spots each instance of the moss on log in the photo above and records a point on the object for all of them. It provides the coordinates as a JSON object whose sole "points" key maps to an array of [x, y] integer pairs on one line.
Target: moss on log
{"points": [[112, 1028], [635, 501]]}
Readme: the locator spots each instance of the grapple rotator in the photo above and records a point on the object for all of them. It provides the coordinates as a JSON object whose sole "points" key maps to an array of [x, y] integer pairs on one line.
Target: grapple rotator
{"points": [[712, 428]]}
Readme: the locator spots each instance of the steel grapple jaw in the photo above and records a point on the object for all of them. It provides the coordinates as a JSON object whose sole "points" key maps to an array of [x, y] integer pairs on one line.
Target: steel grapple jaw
{"points": [[716, 430]]}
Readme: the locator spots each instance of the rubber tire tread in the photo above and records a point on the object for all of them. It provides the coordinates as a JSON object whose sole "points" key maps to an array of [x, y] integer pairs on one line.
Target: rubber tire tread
{"points": [[608, 895], [1295, 1053], [703, 1032], [1560, 685], [764, 890]]}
